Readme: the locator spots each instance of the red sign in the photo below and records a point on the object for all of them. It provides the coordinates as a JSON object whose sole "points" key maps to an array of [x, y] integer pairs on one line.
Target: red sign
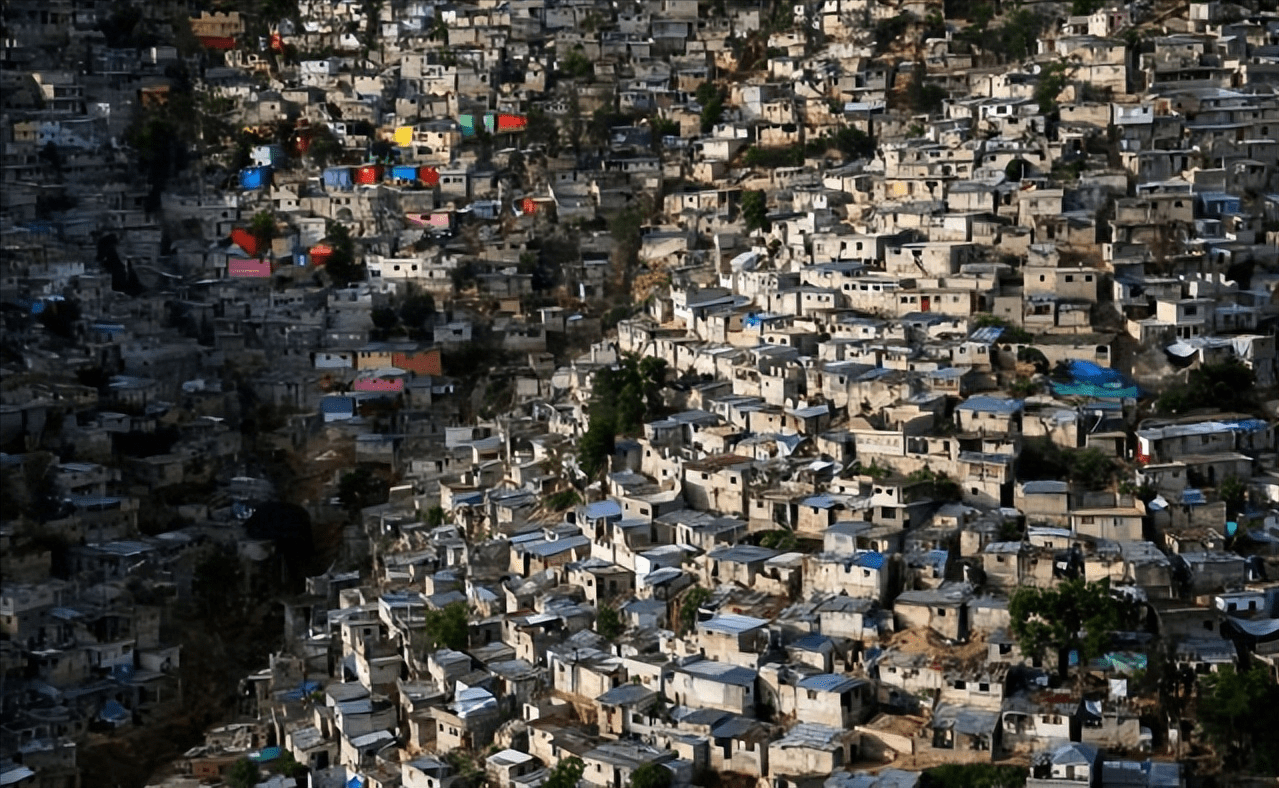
{"points": [[428, 175], [371, 173], [277, 43], [528, 205], [217, 42]]}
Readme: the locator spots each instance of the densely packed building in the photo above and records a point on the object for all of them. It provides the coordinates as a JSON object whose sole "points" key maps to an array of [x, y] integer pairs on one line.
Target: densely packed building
{"points": [[639, 394]]}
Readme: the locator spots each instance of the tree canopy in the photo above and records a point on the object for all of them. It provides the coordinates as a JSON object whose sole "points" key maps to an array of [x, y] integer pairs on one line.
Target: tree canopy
{"points": [[974, 775], [446, 628], [1074, 615], [693, 600], [1225, 385], [242, 774], [651, 775], [623, 398], [360, 488], [609, 622], [1239, 712], [565, 774], [262, 228], [755, 210], [1091, 468], [342, 267]]}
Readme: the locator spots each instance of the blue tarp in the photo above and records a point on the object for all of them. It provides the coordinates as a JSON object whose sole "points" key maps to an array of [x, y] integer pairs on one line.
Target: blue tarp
{"points": [[1090, 380], [303, 690], [254, 177], [1122, 661], [338, 178], [113, 712], [404, 172]]}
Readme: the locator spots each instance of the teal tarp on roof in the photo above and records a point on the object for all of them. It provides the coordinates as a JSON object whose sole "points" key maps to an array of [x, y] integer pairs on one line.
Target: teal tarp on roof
{"points": [[266, 754], [1090, 380]]}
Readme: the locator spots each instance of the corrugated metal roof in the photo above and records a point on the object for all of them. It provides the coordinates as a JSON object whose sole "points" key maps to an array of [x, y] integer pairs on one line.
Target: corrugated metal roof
{"points": [[732, 623], [828, 682]]}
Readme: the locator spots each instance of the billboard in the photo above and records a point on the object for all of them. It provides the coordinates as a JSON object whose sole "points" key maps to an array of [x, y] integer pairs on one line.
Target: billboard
{"points": [[250, 269], [379, 385]]}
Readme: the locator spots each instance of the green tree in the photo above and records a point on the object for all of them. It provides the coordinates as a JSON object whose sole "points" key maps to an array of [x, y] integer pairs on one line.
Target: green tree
{"points": [[609, 622], [1052, 80], [384, 318], [888, 31], [436, 516], [622, 398], [974, 775], [855, 143], [573, 122], [1074, 616], [416, 310], [577, 65], [216, 583], [779, 539], [694, 598], [755, 210], [242, 774], [1091, 468], [288, 766], [1234, 491], [712, 111], [595, 447], [323, 146], [772, 158], [650, 775], [565, 774], [711, 98], [361, 488], [540, 129], [447, 627], [1239, 712], [342, 267], [559, 501], [1019, 35], [60, 318], [1085, 7], [922, 95], [1226, 385]]}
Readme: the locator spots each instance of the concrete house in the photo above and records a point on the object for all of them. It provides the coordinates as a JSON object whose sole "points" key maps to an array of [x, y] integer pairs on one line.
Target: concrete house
{"points": [[708, 684], [811, 749], [830, 699]]}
